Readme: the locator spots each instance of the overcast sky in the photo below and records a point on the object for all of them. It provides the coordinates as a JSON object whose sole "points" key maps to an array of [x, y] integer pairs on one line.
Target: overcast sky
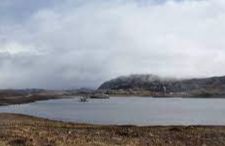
{"points": [[81, 43]]}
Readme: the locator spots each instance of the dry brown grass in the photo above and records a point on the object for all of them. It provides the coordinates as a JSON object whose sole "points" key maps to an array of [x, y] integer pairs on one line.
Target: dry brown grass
{"points": [[18, 130]]}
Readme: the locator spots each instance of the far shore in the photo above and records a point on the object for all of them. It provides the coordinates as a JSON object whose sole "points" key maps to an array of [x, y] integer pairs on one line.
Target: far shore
{"points": [[23, 100], [12, 100]]}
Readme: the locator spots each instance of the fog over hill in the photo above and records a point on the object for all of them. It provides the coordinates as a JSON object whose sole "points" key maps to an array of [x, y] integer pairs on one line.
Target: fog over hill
{"points": [[154, 85]]}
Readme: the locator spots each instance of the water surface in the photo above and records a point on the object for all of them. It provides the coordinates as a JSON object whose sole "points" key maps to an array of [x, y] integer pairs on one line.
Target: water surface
{"points": [[128, 110]]}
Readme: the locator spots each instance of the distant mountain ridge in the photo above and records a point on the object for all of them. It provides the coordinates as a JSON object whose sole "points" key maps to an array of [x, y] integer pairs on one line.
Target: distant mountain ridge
{"points": [[152, 85]]}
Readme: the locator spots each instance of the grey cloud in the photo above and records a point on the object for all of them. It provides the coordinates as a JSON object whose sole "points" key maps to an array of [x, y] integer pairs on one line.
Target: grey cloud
{"points": [[81, 43]]}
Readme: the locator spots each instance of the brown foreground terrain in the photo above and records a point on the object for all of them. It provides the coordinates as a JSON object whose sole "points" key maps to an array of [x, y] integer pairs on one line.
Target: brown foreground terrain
{"points": [[20, 130]]}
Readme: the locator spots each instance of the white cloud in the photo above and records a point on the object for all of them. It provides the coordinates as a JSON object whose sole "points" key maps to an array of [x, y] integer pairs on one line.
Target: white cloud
{"points": [[84, 43]]}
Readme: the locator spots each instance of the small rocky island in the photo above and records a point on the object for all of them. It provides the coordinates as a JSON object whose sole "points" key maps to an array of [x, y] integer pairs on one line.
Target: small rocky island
{"points": [[99, 96]]}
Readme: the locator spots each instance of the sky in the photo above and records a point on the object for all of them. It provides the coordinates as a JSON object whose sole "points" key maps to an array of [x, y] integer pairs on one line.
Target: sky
{"points": [[69, 44]]}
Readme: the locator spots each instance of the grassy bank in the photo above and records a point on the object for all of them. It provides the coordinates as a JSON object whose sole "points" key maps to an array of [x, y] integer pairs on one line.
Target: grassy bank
{"points": [[19, 130]]}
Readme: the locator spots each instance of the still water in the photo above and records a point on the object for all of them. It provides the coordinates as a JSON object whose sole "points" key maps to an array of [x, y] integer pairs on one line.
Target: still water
{"points": [[128, 110]]}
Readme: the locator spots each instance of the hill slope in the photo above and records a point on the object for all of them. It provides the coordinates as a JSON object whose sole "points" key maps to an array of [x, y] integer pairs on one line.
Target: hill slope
{"points": [[153, 85]]}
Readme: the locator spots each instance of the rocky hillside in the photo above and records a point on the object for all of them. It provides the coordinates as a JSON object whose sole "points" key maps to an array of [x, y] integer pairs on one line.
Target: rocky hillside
{"points": [[152, 85]]}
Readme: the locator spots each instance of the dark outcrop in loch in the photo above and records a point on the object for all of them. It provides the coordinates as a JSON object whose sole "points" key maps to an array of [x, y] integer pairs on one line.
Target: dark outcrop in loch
{"points": [[152, 85]]}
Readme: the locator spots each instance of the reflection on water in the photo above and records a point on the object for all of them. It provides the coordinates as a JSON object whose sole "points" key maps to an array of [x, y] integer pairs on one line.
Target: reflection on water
{"points": [[128, 110]]}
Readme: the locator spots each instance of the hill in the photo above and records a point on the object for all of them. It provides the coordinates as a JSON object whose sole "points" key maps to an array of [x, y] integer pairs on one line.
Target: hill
{"points": [[152, 85]]}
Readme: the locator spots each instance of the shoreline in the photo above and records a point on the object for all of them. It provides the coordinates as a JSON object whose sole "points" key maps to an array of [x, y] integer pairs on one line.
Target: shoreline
{"points": [[16, 98], [16, 129]]}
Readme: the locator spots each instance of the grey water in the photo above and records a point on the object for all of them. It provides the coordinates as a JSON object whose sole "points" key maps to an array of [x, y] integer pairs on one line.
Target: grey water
{"points": [[128, 111]]}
